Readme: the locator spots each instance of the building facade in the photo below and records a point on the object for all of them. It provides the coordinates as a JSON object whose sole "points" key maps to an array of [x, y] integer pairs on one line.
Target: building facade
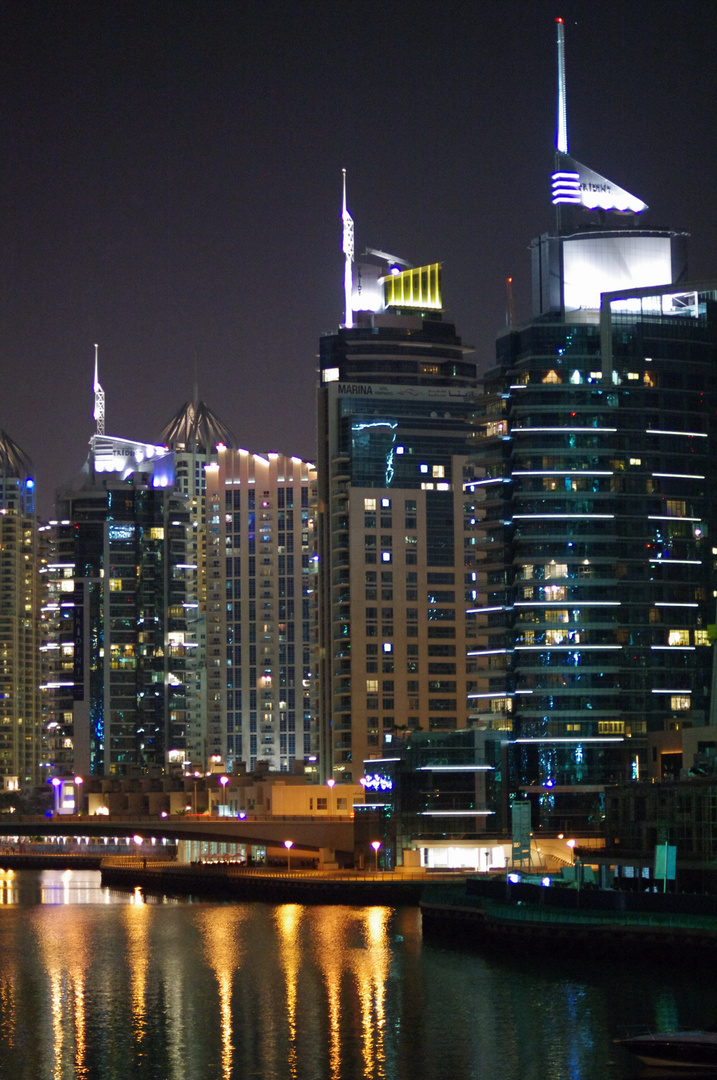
{"points": [[20, 725], [396, 530], [193, 434], [116, 598], [261, 609]]}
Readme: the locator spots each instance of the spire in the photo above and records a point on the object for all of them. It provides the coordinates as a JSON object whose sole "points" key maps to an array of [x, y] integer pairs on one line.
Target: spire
{"points": [[99, 413], [574, 184], [561, 140], [348, 248]]}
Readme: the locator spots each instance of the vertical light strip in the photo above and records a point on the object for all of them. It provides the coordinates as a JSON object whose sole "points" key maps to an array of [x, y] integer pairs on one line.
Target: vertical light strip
{"points": [[561, 144]]}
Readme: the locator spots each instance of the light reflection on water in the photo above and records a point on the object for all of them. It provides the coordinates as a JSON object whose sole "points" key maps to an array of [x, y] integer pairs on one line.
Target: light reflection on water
{"points": [[98, 985]]}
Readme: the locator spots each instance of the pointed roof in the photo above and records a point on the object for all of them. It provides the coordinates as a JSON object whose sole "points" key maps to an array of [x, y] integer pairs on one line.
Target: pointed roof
{"points": [[196, 427], [14, 462]]}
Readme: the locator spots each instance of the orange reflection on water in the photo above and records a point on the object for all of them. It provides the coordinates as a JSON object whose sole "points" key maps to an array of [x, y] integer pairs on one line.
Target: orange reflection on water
{"points": [[64, 952], [288, 918], [136, 916], [7, 1011], [330, 931], [222, 945], [8, 890], [371, 967]]}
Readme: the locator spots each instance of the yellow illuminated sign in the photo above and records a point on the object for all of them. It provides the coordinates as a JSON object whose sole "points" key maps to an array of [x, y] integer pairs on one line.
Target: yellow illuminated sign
{"points": [[419, 287]]}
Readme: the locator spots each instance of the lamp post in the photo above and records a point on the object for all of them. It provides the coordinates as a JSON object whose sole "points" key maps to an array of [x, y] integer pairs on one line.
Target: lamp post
{"points": [[288, 844], [78, 794], [56, 785], [376, 844], [224, 780], [571, 845]]}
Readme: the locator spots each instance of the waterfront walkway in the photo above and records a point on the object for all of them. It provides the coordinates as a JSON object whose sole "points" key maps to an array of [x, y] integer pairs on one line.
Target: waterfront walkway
{"points": [[230, 881]]}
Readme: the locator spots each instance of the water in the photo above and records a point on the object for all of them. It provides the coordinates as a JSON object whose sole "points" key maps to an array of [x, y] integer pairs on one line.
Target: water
{"points": [[101, 985]]}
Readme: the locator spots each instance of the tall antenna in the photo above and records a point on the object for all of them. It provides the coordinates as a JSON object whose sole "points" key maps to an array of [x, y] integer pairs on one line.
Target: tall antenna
{"points": [[99, 413], [561, 141], [509, 303], [348, 249]]}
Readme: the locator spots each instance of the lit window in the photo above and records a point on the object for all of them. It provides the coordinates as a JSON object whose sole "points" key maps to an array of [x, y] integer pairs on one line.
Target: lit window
{"points": [[676, 507], [438, 471], [635, 461], [423, 468], [386, 556], [678, 637], [551, 377], [115, 584], [369, 504], [156, 533], [497, 427], [552, 570], [385, 504], [557, 615], [596, 374], [331, 374], [372, 686], [633, 376], [679, 702], [387, 647], [702, 637]]}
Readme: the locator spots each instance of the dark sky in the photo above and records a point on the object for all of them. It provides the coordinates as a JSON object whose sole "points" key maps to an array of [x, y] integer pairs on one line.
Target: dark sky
{"points": [[170, 184]]}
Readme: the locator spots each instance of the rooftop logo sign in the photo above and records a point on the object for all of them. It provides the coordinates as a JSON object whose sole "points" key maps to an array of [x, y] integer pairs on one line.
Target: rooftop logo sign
{"points": [[576, 185]]}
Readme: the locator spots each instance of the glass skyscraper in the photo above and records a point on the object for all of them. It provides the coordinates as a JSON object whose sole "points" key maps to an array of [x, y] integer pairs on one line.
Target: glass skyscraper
{"points": [[597, 574]]}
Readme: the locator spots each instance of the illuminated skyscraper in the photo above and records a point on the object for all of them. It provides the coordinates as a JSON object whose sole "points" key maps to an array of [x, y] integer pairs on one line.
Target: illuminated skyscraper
{"points": [[120, 542], [396, 532], [19, 612], [193, 434], [595, 586], [261, 609]]}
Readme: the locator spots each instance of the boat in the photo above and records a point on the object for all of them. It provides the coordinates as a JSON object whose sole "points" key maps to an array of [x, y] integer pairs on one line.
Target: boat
{"points": [[688, 1050]]}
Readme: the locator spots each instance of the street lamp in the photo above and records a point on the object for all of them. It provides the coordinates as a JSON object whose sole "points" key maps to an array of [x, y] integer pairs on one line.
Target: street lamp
{"points": [[571, 845], [224, 780], [288, 844], [376, 844], [78, 796], [330, 783]]}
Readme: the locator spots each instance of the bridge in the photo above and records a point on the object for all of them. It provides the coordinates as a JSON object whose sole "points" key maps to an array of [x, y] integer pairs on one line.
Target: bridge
{"points": [[308, 835]]}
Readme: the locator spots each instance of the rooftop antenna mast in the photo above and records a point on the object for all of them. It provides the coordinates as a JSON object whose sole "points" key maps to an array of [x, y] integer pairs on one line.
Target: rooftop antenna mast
{"points": [[561, 134], [99, 413], [348, 249], [561, 140]]}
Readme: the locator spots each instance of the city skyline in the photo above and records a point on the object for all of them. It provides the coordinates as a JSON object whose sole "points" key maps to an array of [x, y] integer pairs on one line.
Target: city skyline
{"points": [[171, 187]]}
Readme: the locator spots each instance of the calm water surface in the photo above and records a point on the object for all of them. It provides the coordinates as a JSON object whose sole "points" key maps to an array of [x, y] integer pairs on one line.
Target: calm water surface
{"points": [[101, 985]]}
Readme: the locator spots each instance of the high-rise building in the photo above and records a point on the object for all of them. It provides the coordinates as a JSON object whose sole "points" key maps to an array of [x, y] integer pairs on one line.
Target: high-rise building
{"points": [[260, 609], [595, 587], [116, 596], [193, 434], [396, 531], [19, 613]]}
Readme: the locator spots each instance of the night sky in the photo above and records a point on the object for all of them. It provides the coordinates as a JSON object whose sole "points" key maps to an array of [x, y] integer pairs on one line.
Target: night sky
{"points": [[170, 184]]}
